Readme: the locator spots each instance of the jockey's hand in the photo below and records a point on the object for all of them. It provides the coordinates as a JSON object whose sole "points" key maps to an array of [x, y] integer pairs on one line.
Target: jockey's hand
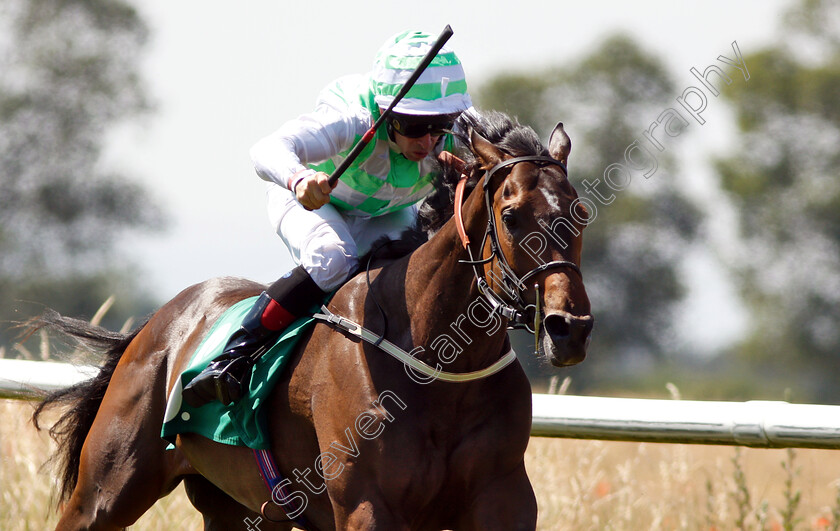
{"points": [[313, 192]]}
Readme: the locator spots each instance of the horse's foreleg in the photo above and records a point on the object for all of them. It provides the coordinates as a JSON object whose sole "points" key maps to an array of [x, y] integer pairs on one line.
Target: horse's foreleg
{"points": [[508, 503]]}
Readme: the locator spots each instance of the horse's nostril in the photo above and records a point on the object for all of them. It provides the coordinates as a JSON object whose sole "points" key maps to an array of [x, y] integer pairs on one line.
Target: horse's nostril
{"points": [[557, 326], [561, 326]]}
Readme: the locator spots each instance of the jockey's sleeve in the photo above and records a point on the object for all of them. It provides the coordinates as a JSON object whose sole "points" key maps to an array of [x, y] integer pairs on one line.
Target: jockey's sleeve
{"points": [[311, 138]]}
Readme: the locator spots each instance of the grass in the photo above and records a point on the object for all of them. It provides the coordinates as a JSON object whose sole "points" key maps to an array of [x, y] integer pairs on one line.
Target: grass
{"points": [[594, 485], [580, 485]]}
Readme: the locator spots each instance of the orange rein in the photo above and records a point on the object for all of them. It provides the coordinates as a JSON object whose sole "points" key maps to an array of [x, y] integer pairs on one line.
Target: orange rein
{"points": [[448, 158]]}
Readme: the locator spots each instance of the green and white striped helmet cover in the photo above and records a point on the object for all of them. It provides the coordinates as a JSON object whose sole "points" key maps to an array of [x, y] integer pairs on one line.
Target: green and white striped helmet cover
{"points": [[440, 89]]}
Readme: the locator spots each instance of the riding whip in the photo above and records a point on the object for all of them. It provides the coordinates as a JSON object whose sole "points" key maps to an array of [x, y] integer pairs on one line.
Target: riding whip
{"points": [[368, 136]]}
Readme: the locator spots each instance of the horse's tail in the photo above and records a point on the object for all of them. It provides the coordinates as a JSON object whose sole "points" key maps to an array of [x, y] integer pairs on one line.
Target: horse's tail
{"points": [[80, 401]]}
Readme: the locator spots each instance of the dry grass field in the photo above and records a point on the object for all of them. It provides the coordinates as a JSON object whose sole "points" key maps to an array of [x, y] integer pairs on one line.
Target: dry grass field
{"points": [[580, 485]]}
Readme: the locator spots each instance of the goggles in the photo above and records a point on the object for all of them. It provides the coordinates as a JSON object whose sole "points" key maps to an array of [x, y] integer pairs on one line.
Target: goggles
{"points": [[416, 128]]}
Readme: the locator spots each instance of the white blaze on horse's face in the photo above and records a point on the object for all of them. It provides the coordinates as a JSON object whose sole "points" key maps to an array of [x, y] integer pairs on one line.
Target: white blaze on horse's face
{"points": [[533, 208], [552, 199]]}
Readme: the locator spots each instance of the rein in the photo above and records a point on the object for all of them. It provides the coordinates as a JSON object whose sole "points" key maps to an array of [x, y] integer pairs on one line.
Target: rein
{"points": [[407, 358], [516, 310]]}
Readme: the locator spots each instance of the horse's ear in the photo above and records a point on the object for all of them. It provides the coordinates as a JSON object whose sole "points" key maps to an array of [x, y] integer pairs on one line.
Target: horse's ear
{"points": [[489, 154], [559, 144]]}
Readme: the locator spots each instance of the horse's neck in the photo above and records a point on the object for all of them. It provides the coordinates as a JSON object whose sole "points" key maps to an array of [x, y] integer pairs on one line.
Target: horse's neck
{"points": [[448, 316]]}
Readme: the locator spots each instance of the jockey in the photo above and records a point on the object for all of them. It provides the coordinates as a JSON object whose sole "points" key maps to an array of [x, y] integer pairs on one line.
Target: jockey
{"points": [[326, 229]]}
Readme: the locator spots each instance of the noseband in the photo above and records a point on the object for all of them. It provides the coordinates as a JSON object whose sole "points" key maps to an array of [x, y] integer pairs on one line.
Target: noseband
{"points": [[516, 310]]}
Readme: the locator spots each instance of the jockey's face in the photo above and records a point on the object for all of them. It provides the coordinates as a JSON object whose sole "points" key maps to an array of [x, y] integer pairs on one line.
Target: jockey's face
{"points": [[416, 149], [416, 136]]}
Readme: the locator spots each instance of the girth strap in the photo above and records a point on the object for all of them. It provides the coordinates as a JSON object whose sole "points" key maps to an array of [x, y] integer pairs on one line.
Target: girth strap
{"points": [[276, 482], [406, 358]]}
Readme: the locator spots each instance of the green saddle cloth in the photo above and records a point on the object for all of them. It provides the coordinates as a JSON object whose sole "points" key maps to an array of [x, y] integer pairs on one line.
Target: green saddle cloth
{"points": [[243, 423]]}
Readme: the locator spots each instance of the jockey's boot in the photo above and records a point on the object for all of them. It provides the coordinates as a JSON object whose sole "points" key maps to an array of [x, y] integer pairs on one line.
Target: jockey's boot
{"points": [[226, 378]]}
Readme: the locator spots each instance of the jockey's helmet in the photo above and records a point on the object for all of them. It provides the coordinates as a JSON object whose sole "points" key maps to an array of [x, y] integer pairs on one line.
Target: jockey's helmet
{"points": [[440, 90]]}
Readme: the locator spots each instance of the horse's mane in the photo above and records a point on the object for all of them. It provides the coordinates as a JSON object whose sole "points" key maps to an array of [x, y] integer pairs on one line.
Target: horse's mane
{"points": [[503, 131]]}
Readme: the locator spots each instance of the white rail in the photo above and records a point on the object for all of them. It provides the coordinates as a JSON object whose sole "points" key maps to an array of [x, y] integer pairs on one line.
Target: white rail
{"points": [[23, 379], [758, 424]]}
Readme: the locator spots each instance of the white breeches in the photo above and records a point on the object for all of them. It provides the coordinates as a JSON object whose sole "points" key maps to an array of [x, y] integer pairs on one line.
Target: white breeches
{"points": [[325, 242]]}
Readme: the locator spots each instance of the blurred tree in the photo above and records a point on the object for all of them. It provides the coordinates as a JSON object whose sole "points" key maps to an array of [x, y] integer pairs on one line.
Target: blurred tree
{"points": [[69, 75], [783, 178], [633, 246]]}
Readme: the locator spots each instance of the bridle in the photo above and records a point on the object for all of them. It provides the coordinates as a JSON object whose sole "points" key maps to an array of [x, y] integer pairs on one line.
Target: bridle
{"points": [[515, 309]]}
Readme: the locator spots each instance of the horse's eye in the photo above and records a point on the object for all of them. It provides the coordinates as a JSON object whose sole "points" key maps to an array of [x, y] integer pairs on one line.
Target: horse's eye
{"points": [[509, 219]]}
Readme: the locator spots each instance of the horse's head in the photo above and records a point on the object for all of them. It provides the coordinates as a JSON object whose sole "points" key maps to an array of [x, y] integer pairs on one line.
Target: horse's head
{"points": [[538, 225]]}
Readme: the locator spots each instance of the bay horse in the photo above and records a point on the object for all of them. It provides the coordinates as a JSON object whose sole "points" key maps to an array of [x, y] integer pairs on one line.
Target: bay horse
{"points": [[362, 443]]}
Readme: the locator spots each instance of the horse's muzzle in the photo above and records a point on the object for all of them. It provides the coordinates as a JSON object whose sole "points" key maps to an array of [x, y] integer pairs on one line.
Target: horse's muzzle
{"points": [[565, 337]]}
